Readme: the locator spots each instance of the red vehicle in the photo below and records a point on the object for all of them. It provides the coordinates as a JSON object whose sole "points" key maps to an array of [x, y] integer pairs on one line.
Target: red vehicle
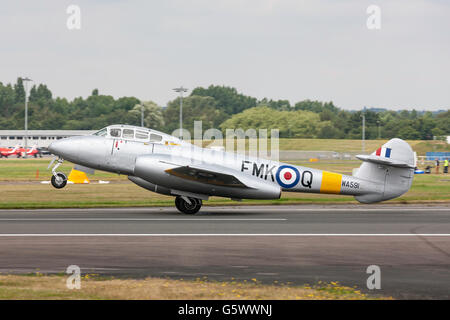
{"points": [[6, 152], [32, 152], [29, 152], [19, 152]]}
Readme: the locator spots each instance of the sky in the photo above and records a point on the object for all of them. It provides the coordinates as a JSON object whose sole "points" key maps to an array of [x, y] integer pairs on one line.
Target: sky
{"points": [[279, 49]]}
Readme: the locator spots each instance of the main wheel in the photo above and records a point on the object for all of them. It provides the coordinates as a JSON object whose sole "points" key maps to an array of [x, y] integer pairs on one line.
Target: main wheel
{"points": [[59, 181], [186, 207]]}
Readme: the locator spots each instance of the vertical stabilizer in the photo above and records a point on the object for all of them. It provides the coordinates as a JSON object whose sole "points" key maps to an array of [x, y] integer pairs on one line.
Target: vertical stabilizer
{"points": [[391, 165]]}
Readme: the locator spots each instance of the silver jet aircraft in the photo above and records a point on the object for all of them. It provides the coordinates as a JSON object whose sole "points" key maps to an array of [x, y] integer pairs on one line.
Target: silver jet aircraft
{"points": [[165, 164]]}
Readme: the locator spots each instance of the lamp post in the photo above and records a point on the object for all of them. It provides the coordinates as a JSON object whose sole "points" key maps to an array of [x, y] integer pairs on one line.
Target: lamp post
{"points": [[181, 90], [379, 129], [142, 115], [26, 113], [363, 115]]}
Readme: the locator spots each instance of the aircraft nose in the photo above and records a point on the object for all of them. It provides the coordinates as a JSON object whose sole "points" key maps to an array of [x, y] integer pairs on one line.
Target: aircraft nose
{"points": [[65, 148]]}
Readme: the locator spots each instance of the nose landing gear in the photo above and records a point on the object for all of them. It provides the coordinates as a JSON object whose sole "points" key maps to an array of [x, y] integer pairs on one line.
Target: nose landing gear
{"points": [[59, 179], [188, 205]]}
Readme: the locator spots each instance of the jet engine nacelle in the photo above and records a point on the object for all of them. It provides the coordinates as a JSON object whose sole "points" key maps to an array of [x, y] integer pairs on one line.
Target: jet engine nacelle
{"points": [[149, 186], [153, 168]]}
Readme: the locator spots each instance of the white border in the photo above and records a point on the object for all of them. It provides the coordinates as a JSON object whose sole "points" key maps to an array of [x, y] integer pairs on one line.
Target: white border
{"points": [[225, 235]]}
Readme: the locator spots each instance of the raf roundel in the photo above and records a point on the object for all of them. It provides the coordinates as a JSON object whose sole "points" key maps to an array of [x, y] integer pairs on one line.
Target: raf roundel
{"points": [[287, 176]]}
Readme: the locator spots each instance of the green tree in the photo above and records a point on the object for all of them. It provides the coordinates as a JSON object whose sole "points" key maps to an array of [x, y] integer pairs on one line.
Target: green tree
{"points": [[283, 105], [443, 123], [125, 103], [315, 106], [227, 99], [195, 108], [215, 105], [299, 124], [407, 132], [7, 100], [328, 131], [19, 91], [153, 116]]}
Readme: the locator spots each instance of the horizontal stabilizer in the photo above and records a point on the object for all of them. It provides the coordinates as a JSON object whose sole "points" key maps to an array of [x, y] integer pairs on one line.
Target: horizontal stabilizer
{"points": [[384, 161]]}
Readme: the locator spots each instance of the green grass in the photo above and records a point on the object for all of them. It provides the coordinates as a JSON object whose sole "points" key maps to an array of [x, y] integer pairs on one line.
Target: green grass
{"points": [[29, 169], [425, 188], [50, 287], [20, 188]]}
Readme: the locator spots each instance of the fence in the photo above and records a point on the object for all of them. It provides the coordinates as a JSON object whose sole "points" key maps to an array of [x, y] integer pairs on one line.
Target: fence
{"points": [[441, 156]]}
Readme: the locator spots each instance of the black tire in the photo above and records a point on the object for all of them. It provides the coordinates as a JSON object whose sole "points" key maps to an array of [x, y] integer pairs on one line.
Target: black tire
{"points": [[187, 208], [59, 182]]}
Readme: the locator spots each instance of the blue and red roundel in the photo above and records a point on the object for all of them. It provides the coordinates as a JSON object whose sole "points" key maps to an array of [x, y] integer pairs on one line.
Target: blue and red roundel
{"points": [[287, 176]]}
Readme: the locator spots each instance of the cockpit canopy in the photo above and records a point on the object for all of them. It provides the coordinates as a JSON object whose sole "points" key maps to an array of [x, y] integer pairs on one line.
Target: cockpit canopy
{"points": [[141, 134]]}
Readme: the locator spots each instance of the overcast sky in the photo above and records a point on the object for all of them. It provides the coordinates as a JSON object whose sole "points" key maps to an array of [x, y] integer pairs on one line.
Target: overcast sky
{"points": [[280, 49]]}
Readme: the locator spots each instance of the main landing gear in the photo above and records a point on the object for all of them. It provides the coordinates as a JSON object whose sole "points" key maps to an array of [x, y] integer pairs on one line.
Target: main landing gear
{"points": [[188, 205], [59, 179]]}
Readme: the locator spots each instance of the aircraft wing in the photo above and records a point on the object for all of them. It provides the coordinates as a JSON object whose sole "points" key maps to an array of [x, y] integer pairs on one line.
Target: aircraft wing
{"points": [[206, 176]]}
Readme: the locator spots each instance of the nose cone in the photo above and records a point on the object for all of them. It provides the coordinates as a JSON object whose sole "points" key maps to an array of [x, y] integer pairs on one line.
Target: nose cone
{"points": [[68, 148]]}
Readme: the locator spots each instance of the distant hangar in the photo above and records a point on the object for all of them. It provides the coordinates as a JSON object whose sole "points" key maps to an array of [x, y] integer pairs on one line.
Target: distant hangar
{"points": [[39, 138]]}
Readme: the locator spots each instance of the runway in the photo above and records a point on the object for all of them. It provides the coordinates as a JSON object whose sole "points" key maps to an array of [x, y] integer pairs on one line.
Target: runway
{"points": [[297, 244]]}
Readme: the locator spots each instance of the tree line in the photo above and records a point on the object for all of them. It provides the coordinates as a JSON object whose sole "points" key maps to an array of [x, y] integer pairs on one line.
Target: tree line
{"points": [[218, 107]]}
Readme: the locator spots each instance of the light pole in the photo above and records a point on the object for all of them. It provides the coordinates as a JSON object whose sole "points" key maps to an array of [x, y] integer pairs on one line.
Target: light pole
{"points": [[26, 113], [181, 90], [379, 129], [363, 115], [142, 115]]}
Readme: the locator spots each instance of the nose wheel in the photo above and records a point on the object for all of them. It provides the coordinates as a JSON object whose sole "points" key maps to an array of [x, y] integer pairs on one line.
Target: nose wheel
{"points": [[59, 179], [188, 205]]}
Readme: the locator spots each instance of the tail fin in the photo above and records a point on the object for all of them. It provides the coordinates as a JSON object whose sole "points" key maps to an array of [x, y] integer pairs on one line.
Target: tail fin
{"points": [[391, 166]]}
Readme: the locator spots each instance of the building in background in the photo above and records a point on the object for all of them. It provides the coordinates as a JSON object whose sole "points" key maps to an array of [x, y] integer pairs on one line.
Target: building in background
{"points": [[38, 138]]}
